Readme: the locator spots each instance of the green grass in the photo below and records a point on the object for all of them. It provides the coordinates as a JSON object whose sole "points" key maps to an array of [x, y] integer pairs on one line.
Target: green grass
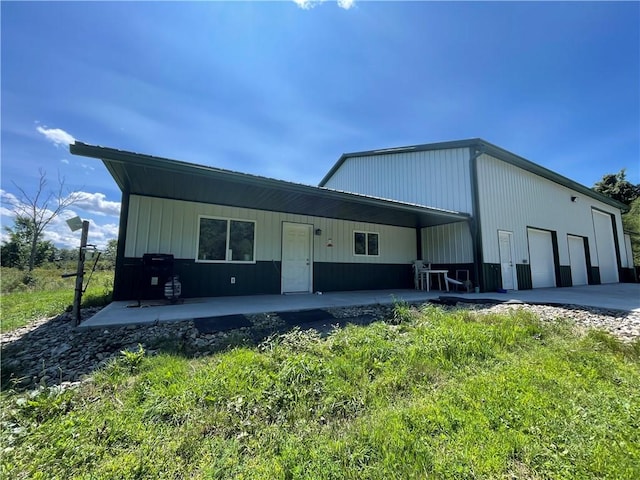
{"points": [[435, 395], [46, 294]]}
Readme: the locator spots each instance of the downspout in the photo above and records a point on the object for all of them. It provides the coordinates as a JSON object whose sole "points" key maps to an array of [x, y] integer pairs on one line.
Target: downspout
{"points": [[474, 223]]}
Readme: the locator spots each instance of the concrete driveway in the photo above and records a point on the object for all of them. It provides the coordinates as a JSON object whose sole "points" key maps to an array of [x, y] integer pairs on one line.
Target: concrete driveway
{"points": [[620, 296], [615, 296]]}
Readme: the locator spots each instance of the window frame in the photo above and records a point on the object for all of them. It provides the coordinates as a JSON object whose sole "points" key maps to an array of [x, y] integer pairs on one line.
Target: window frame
{"points": [[228, 220], [366, 243]]}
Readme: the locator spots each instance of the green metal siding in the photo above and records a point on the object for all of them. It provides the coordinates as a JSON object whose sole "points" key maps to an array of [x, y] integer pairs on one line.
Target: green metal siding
{"points": [[491, 277], [330, 277], [523, 272], [203, 279], [565, 276], [627, 275], [214, 279]]}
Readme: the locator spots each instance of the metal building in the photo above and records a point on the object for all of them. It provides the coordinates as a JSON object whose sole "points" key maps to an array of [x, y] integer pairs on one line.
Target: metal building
{"points": [[462, 206], [530, 227]]}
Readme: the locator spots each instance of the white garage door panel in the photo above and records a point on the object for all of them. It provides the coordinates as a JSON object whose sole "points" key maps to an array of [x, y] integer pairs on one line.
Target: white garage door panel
{"points": [[578, 260], [541, 259], [605, 247]]}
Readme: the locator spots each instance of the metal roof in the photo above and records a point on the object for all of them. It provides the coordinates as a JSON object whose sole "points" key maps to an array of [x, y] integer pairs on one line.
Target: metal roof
{"points": [[148, 175], [482, 146]]}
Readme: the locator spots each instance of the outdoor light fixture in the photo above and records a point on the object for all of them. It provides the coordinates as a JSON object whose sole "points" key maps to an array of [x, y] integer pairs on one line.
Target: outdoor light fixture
{"points": [[329, 243], [318, 232], [574, 199], [75, 223]]}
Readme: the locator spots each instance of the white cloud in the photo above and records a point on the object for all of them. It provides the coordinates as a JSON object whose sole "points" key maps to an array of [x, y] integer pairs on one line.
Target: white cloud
{"points": [[56, 135], [309, 4], [7, 198], [65, 161], [346, 4], [97, 203], [58, 231]]}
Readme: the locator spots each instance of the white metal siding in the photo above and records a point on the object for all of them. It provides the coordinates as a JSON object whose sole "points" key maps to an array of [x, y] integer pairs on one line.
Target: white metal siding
{"points": [[605, 247], [541, 252], [578, 260], [157, 225], [449, 243], [627, 244], [435, 178], [513, 199]]}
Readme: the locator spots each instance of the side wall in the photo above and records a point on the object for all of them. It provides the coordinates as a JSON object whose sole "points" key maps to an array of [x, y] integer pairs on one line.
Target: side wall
{"points": [[449, 247], [435, 178], [157, 225], [513, 199]]}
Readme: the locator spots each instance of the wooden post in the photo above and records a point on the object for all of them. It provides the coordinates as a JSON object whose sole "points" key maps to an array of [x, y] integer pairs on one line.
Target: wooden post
{"points": [[77, 299]]}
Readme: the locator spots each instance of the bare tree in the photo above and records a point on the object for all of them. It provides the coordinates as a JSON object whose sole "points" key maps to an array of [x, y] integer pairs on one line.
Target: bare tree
{"points": [[41, 208]]}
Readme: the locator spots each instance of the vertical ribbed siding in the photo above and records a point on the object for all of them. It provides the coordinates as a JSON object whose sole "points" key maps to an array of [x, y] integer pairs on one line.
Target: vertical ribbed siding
{"points": [[513, 199], [629, 251], [435, 178], [170, 226], [449, 243]]}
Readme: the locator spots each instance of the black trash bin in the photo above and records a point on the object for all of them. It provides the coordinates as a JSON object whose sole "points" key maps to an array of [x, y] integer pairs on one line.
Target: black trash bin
{"points": [[157, 270]]}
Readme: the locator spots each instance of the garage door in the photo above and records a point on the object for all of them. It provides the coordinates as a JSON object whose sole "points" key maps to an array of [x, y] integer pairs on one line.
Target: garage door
{"points": [[578, 260], [605, 247], [541, 259]]}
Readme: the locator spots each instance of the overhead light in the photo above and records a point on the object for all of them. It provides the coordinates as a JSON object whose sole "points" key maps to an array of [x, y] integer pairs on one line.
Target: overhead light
{"points": [[574, 199]]}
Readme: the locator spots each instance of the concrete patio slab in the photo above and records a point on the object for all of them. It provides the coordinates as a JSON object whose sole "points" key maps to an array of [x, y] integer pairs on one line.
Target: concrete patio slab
{"points": [[124, 313], [621, 296]]}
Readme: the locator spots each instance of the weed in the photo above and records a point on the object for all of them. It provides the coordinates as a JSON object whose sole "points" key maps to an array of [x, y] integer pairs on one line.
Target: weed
{"points": [[402, 312], [132, 359]]}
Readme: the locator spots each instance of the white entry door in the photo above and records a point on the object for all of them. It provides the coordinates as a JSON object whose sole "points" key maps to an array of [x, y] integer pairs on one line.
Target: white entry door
{"points": [[296, 258], [577, 260], [541, 259], [605, 247], [509, 281]]}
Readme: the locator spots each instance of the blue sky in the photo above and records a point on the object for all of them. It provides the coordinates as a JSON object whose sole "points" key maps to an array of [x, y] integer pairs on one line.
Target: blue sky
{"points": [[275, 89]]}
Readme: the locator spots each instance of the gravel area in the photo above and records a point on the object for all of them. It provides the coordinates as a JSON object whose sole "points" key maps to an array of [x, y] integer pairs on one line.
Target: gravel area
{"points": [[53, 352]]}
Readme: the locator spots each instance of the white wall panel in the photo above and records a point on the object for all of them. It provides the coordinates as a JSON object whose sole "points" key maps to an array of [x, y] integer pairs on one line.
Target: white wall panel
{"points": [[449, 243], [542, 264], [629, 251], [158, 225], [578, 259], [605, 247], [513, 199], [435, 178]]}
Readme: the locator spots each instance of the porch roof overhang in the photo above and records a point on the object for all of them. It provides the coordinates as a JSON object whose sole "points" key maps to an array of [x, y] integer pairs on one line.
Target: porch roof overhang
{"points": [[139, 174]]}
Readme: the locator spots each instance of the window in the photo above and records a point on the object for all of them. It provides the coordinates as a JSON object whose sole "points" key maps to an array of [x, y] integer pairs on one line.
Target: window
{"points": [[223, 240], [365, 243]]}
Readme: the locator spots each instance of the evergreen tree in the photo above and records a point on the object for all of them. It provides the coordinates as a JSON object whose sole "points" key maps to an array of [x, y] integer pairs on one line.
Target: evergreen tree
{"points": [[618, 187]]}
